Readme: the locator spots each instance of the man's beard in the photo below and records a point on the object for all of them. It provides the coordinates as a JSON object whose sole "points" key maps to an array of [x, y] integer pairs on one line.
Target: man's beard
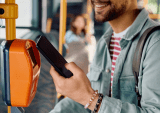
{"points": [[111, 14]]}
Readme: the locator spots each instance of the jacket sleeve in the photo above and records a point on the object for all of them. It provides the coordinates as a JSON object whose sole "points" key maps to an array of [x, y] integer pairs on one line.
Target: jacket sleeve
{"points": [[150, 84]]}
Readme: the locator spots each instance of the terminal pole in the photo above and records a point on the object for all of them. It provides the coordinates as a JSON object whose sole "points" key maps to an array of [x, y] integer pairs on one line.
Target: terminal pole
{"points": [[10, 13], [10, 24], [10, 31]]}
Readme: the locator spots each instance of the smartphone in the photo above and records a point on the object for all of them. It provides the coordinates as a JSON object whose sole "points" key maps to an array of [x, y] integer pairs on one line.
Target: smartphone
{"points": [[53, 56]]}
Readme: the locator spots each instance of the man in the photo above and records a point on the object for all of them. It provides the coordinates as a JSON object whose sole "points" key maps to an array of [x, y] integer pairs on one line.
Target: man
{"points": [[111, 70]]}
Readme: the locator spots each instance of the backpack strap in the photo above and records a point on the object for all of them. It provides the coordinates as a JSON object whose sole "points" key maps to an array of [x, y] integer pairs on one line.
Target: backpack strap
{"points": [[137, 57]]}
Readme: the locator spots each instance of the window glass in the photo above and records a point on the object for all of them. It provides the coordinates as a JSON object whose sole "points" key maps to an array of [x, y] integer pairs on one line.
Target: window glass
{"points": [[153, 6], [25, 13], [19, 33]]}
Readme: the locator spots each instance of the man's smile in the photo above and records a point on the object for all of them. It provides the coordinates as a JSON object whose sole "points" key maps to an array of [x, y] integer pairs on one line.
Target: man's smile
{"points": [[100, 6]]}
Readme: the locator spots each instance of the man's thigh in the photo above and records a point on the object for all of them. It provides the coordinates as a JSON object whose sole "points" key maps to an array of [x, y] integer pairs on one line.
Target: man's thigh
{"points": [[69, 106]]}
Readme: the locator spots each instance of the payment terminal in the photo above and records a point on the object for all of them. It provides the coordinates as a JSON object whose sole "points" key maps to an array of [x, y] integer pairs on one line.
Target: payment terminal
{"points": [[20, 69]]}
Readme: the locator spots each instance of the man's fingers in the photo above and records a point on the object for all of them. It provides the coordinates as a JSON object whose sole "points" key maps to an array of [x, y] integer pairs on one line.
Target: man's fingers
{"points": [[73, 67], [55, 75]]}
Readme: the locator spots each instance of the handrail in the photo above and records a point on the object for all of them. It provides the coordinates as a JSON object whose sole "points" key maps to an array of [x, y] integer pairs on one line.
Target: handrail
{"points": [[12, 13], [10, 25], [62, 30], [154, 16], [89, 11], [10, 31], [145, 2]]}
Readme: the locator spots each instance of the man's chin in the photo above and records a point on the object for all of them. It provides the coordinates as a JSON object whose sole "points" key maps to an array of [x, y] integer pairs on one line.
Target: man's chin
{"points": [[100, 19]]}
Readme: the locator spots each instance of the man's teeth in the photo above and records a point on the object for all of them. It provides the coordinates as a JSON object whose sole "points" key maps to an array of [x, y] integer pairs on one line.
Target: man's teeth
{"points": [[100, 6]]}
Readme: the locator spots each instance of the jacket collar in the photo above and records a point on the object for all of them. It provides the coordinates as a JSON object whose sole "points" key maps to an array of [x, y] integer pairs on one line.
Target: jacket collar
{"points": [[137, 25], [135, 28]]}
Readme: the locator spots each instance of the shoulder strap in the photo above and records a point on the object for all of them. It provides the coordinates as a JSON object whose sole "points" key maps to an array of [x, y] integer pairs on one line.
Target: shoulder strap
{"points": [[137, 57]]}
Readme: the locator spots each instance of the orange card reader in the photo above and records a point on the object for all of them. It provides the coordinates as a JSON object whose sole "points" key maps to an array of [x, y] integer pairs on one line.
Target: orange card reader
{"points": [[20, 69]]}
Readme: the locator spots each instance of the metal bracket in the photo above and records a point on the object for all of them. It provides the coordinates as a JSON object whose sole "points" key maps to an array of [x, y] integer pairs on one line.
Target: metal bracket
{"points": [[8, 11]]}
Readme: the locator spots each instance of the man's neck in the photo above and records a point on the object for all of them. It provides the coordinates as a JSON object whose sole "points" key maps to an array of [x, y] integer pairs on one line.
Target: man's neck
{"points": [[124, 21]]}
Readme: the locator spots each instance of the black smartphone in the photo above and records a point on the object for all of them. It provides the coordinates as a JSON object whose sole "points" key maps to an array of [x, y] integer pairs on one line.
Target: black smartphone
{"points": [[53, 56]]}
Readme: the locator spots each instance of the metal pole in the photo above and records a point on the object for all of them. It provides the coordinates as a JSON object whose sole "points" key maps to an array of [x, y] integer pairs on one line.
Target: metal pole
{"points": [[145, 3], [89, 11], [10, 25], [158, 7], [10, 31], [62, 30], [44, 15]]}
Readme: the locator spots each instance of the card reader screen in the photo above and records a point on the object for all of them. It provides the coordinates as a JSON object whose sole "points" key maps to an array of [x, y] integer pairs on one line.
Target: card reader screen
{"points": [[33, 59]]}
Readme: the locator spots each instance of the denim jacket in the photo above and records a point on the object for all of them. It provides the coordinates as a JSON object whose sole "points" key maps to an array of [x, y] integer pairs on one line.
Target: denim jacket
{"points": [[124, 98]]}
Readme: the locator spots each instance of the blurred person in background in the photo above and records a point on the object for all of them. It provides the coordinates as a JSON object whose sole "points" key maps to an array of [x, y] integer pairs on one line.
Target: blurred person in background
{"points": [[76, 43], [77, 30]]}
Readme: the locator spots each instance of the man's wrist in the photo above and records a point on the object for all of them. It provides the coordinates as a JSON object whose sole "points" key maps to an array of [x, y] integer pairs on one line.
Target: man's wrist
{"points": [[94, 95], [93, 102], [87, 98], [98, 104]]}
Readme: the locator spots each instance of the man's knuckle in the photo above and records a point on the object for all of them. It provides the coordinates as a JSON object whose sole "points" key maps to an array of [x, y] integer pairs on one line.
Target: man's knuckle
{"points": [[50, 71], [61, 85], [57, 90], [71, 63]]}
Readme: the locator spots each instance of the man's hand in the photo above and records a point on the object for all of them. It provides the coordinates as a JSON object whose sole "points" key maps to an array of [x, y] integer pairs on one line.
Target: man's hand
{"points": [[77, 87]]}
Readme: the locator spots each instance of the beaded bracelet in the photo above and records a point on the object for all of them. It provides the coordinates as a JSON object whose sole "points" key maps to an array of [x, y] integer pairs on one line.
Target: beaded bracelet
{"points": [[98, 103], [90, 101]]}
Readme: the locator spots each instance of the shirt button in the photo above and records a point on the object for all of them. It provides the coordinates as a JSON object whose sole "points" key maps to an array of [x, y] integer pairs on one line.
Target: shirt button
{"points": [[107, 70]]}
